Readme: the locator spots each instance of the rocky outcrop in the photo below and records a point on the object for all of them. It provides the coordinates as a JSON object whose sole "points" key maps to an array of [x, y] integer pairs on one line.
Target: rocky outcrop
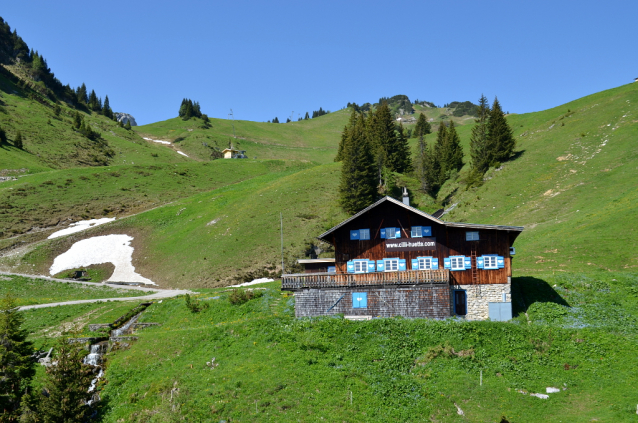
{"points": [[125, 117]]}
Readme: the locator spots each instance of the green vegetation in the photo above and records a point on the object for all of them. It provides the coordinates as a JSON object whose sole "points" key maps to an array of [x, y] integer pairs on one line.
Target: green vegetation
{"points": [[28, 291]]}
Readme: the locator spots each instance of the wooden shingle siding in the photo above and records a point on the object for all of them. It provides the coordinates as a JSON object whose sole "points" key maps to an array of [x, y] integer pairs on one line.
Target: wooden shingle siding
{"points": [[324, 280], [431, 302]]}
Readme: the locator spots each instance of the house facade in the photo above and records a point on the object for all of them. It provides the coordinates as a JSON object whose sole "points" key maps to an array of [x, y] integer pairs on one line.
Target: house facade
{"points": [[393, 259]]}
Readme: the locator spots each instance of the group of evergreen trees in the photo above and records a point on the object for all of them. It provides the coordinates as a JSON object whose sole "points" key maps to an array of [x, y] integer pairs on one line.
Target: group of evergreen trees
{"points": [[320, 112], [66, 384], [372, 146], [189, 109]]}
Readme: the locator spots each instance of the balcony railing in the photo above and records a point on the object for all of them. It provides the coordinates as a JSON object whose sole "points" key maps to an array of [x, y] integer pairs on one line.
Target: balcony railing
{"points": [[335, 280]]}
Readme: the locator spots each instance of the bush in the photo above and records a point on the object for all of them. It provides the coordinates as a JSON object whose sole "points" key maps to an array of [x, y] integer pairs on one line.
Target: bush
{"points": [[195, 306], [239, 296]]}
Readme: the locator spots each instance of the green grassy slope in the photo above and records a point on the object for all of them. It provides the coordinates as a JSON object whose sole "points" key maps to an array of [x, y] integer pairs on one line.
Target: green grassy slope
{"points": [[231, 233], [573, 186], [314, 139], [272, 367]]}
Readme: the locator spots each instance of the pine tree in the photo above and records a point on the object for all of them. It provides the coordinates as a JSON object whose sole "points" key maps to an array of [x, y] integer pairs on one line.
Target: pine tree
{"points": [[479, 145], [67, 384], [399, 157], [344, 135], [422, 127], [501, 139], [128, 125], [439, 151], [383, 135], [275, 120], [358, 188], [16, 365], [106, 109], [451, 157], [306, 117], [82, 94], [427, 168], [17, 142], [287, 120]]}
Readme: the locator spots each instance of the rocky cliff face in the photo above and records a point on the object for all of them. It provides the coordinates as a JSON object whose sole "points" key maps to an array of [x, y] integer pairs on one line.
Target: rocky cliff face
{"points": [[125, 117]]}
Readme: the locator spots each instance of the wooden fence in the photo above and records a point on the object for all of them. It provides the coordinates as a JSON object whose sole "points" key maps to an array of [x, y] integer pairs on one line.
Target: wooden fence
{"points": [[336, 280]]}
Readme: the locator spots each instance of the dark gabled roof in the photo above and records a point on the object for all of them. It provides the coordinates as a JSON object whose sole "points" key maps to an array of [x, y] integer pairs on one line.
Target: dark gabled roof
{"points": [[424, 214]]}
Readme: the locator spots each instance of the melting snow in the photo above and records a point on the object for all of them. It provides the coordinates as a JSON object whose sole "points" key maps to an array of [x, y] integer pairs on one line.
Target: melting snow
{"points": [[179, 152], [159, 141], [253, 282], [114, 249], [80, 226]]}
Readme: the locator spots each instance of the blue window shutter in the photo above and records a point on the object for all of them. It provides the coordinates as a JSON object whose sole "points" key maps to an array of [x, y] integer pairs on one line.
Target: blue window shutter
{"points": [[380, 266], [350, 266], [500, 261], [447, 263], [435, 264], [398, 233], [468, 262], [402, 265], [332, 269], [370, 266], [479, 262], [382, 233], [359, 300], [354, 235], [415, 264], [426, 230]]}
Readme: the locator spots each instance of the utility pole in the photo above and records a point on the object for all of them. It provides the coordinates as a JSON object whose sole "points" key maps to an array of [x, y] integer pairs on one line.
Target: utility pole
{"points": [[281, 221], [233, 122]]}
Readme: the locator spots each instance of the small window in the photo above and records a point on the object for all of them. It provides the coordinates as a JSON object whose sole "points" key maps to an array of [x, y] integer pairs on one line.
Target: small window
{"points": [[391, 233], [457, 263], [460, 302], [425, 263], [417, 232], [472, 236], [391, 265], [490, 262], [360, 266], [364, 234]]}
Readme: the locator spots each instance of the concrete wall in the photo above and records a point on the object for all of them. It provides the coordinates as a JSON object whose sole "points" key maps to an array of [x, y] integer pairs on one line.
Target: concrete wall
{"points": [[427, 301], [478, 297]]}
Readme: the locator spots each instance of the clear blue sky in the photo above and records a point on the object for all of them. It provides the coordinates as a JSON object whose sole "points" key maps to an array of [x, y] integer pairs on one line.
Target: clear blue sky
{"points": [[266, 59]]}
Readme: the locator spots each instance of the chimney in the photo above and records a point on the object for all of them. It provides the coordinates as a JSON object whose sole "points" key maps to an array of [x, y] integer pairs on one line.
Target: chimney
{"points": [[406, 199]]}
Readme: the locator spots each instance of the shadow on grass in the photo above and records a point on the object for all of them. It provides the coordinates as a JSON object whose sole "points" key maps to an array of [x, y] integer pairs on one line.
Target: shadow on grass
{"points": [[527, 290]]}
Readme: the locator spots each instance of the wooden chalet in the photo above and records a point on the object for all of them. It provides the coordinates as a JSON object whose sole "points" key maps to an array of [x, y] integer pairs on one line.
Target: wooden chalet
{"points": [[393, 259]]}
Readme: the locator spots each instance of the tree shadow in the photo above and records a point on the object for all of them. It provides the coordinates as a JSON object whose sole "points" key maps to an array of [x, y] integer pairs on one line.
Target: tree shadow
{"points": [[527, 290], [516, 155], [449, 197]]}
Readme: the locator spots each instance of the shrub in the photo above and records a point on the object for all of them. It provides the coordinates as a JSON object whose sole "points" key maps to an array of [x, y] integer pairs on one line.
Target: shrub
{"points": [[240, 296], [194, 306]]}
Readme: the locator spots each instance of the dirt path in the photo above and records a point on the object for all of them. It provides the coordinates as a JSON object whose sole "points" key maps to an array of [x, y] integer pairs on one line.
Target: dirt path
{"points": [[152, 293]]}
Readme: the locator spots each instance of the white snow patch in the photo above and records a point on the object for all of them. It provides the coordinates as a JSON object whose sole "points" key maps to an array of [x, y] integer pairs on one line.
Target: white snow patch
{"points": [[114, 249], [541, 396], [551, 390], [253, 282], [183, 154], [159, 141], [80, 226]]}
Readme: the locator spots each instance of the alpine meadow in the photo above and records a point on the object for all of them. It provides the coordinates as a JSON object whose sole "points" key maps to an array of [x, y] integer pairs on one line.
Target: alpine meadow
{"points": [[145, 269]]}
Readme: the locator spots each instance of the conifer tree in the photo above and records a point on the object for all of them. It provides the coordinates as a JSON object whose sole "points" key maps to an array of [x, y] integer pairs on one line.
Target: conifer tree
{"points": [[422, 127], [16, 365], [275, 120], [383, 135], [93, 104], [358, 188], [67, 384], [306, 117], [17, 142], [128, 125], [77, 120], [427, 168], [438, 152], [451, 157], [106, 109], [399, 154], [344, 135], [82, 94], [479, 145], [501, 139]]}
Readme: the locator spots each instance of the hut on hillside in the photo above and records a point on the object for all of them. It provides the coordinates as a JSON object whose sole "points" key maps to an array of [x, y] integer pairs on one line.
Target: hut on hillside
{"points": [[392, 259]]}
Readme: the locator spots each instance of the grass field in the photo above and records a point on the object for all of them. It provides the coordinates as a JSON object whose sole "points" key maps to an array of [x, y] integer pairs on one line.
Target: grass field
{"points": [[579, 335], [28, 291]]}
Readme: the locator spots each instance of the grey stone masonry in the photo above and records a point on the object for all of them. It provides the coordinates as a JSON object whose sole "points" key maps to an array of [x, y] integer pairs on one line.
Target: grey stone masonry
{"points": [[427, 301], [478, 297]]}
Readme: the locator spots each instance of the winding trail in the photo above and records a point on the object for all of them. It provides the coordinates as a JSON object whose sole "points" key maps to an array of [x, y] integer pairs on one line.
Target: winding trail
{"points": [[153, 293]]}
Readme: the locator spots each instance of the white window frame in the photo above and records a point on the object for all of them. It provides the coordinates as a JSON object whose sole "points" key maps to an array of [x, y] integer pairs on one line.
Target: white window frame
{"points": [[393, 233], [418, 230], [364, 234], [360, 263], [394, 263], [470, 236], [425, 263], [456, 260], [490, 262]]}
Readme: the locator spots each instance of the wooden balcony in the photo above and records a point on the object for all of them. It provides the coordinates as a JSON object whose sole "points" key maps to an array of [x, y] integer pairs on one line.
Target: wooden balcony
{"points": [[297, 281]]}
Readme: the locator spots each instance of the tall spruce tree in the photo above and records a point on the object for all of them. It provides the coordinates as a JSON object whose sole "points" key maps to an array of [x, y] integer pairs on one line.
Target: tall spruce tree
{"points": [[358, 188], [106, 109], [399, 159], [499, 133], [16, 365], [439, 151], [382, 133], [306, 117], [82, 94], [422, 127], [479, 143], [425, 166], [17, 142], [344, 135], [67, 384], [451, 156]]}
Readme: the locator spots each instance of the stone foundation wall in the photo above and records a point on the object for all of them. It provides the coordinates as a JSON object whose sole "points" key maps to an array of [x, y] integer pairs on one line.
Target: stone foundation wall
{"points": [[432, 301], [478, 297]]}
